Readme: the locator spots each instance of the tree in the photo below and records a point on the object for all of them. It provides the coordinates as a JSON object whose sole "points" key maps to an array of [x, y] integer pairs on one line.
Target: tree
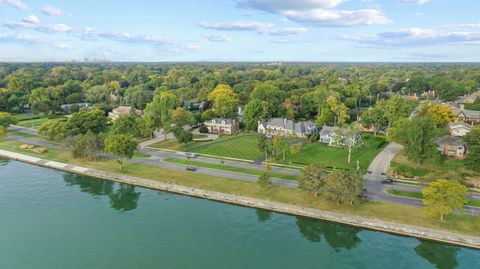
{"points": [[443, 196], [3, 131], [122, 146], [159, 112], [344, 186], [182, 135], [44, 100], [225, 100], [417, 137], [440, 113], [126, 125], [313, 179], [87, 145], [182, 117], [375, 118], [6, 119], [54, 130], [473, 142], [84, 121], [271, 96], [265, 182], [264, 145], [347, 137], [256, 110]]}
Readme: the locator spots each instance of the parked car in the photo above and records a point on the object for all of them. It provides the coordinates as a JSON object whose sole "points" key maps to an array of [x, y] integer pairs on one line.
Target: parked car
{"points": [[191, 155], [191, 168], [383, 174], [388, 181], [369, 172]]}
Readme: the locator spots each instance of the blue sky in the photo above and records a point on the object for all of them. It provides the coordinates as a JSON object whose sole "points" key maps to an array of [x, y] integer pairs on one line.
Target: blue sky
{"points": [[241, 30]]}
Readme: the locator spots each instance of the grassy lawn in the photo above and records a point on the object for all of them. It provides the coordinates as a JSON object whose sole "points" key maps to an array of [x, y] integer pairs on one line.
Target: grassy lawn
{"points": [[379, 210], [244, 147], [329, 157], [434, 168], [419, 195], [230, 168], [34, 121], [19, 133], [141, 155]]}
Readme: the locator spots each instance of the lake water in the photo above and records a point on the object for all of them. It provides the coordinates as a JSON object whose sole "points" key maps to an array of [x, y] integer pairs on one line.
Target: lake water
{"points": [[51, 219]]}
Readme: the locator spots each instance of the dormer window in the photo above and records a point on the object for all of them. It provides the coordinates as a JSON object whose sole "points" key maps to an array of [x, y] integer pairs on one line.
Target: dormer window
{"points": [[223, 122], [213, 121]]}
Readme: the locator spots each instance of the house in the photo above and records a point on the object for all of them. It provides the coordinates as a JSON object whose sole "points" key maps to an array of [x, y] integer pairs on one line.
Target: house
{"points": [[459, 128], [451, 146], [330, 135], [469, 98], [222, 126], [70, 108], [285, 127], [466, 115], [124, 111]]}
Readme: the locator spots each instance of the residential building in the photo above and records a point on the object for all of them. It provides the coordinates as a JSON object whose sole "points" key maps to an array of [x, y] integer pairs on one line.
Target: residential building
{"points": [[330, 135], [70, 108], [222, 126], [469, 116], [124, 111], [451, 146], [285, 127], [459, 128], [469, 98]]}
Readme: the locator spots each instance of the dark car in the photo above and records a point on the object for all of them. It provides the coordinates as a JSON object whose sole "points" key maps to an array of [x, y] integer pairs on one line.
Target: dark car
{"points": [[191, 168], [363, 195], [383, 174], [388, 181], [369, 172]]}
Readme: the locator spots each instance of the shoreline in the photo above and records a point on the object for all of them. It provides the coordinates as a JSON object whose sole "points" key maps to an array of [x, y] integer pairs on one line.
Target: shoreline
{"points": [[356, 221]]}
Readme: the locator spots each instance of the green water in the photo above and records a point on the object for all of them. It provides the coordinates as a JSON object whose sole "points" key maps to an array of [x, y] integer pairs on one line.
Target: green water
{"points": [[51, 219]]}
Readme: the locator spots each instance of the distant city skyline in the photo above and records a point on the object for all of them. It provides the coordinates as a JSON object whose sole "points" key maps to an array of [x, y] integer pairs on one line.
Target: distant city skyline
{"points": [[241, 30]]}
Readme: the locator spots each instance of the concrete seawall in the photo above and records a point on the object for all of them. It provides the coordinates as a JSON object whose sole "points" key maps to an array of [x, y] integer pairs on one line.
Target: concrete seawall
{"points": [[373, 224]]}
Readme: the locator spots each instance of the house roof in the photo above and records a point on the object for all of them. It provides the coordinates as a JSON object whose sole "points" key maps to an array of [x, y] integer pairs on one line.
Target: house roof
{"points": [[298, 127], [328, 130], [454, 125], [220, 120], [448, 140], [126, 110]]}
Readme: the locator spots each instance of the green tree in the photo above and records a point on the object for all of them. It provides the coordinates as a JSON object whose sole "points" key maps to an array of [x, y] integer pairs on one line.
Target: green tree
{"points": [[44, 100], [473, 142], [313, 179], [6, 119], [182, 117], [417, 137], [122, 146], [265, 182], [256, 110], [443, 196], [3, 131], [54, 130], [126, 125], [271, 96], [87, 145], [159, 112], [84, 121], [344, 186], [225, 100]]}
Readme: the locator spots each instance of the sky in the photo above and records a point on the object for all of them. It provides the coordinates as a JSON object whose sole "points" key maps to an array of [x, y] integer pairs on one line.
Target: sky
{"points": [[240, 30]]}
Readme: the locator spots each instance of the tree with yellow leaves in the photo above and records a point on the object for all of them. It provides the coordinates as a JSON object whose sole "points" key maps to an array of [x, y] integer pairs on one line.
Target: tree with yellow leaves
{"points": [[443, 196], [440, 113], [224, 99]]}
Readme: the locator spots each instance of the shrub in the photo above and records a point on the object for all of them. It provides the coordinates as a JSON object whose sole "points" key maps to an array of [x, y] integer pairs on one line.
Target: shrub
{"points": [[203, 129]]}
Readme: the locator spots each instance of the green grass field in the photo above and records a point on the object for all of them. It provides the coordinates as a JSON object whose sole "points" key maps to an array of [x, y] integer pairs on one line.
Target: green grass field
{"points": [[419, 195], [244, 147], [329, 157], [230, 168], [35, 121]]}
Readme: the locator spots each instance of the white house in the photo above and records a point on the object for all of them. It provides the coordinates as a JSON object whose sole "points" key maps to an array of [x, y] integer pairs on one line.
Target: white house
{"points": [[124, 111], [285, 127], [222, 126], [334, 136], [459, 128]]}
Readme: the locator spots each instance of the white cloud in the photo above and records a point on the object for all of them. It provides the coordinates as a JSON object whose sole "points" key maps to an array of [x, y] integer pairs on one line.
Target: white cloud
{"points": [[420, 2], [46, 28], [32, 40], [416, 37], [464, 26], [14, 3], [32, 19], [54, 11], [259, 27], [217, 38], [323, 13], [324, 17], [91, 34], [274, 6]]}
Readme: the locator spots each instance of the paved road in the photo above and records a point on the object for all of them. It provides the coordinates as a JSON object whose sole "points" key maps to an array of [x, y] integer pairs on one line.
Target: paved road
{"points": [[376, 190]]}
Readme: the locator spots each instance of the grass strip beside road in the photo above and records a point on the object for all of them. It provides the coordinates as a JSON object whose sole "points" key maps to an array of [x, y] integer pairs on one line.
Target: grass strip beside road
{"points": [[402, 214], [419, 195], [230, 168]]}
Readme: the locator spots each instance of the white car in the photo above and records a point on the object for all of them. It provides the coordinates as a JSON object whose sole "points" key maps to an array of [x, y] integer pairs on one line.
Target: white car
{"points": [[191, 155]]}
